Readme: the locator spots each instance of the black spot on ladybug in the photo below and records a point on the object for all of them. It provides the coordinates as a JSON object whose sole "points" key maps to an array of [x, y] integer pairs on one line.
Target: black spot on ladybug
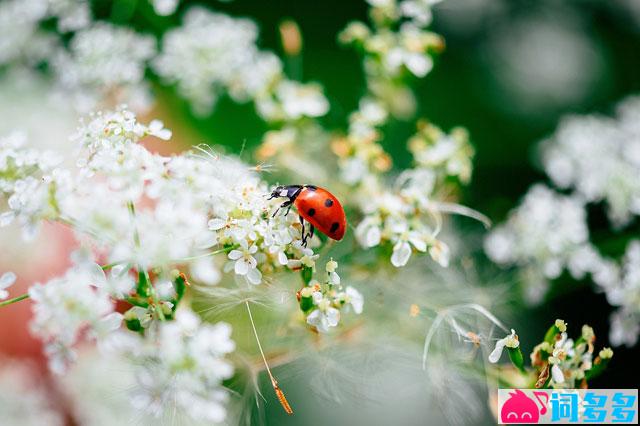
{"points": [[334, 227], [311, 212], [328, 202], [311, 187]]}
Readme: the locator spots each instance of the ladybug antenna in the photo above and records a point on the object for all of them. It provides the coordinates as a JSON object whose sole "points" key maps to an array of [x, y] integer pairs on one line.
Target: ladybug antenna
{"points": [[274, 382]]}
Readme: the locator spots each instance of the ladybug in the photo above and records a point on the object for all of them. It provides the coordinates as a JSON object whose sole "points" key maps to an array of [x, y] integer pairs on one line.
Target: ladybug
{"points": [[317, 206]]}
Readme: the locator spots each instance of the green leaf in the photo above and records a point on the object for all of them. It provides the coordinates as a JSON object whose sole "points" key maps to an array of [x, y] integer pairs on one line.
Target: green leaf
{"points": [[306, 303], [143, 284], [307, 274], [133, 324], [599, 365], [550, 336], [181, 286], [515, 355]]}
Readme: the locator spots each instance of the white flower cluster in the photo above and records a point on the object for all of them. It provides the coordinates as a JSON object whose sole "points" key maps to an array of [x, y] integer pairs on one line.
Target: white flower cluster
{"points": [[547, 234], [176, 207], [66, 306], [390, 55], [147, 211], [322, 303], [20, 38], [103, 62], [144, 215], [23, 397], [405, 215], [565, 364], [211, 53], [623, 291], [544, 235], [408, 216], [179, 365], [599, 157], [27, 177], [72, 15]]}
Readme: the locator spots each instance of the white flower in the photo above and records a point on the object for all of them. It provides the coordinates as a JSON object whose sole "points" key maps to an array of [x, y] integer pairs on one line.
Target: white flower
{"points": [[322, 320], [331, 267], [402, 250], [556, 374], [418, 63], [368, 232], [117, 283], [306, 257], [293, 101], [439, 252], [354, 298], [418, 10], [510, 341], [165, 7], [245, 264], [401, 254], [325, 315], [6, 280]]}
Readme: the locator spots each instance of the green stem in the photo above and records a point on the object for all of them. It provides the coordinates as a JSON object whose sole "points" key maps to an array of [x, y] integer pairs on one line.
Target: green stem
{"points": [[211, 253], [112, 264], [158, 307], [14, 300], [136, 235]]}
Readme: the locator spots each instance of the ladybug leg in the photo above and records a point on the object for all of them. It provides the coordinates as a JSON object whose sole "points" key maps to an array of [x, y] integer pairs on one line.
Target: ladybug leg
{"points": [[283, 205], [304, 237], [309, 234]]}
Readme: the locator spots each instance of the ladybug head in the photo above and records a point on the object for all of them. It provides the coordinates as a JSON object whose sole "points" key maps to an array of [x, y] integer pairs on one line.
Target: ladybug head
{"points": [[278, 191]]}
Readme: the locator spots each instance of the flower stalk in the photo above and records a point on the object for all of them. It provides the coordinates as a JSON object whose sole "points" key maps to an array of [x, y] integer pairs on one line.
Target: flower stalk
{"points": [[14, 300]]}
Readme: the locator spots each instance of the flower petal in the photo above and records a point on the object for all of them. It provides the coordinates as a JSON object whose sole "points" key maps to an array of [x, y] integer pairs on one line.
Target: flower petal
{"points": [[241, 267], [556, 374], [494, 356], [401, 254]]}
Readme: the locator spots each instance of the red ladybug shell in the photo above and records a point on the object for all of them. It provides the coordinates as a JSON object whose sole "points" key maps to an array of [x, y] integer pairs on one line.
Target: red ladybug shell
{"points": [[322, 209]]}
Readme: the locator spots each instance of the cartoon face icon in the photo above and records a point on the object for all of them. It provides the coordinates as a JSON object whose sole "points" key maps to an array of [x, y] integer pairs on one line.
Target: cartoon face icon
{"points": [[519, 408]]}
